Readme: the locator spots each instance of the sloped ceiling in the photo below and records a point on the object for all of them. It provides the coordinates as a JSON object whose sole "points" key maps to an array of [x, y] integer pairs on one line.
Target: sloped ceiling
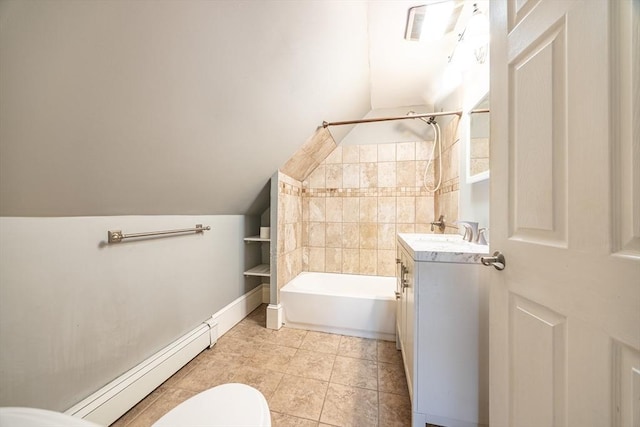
{"points": [[164, 107]]}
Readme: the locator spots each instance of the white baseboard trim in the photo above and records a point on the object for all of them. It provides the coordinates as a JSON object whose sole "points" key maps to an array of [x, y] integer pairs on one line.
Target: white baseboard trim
{"points": [[113, 400], [230, 315]]}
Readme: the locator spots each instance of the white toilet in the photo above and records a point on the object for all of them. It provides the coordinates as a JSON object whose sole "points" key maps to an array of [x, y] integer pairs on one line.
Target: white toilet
{"points": [[228, 405]]}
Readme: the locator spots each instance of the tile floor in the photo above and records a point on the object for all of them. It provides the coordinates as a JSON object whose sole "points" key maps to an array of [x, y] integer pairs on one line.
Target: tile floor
{"points": [[308, 378]]}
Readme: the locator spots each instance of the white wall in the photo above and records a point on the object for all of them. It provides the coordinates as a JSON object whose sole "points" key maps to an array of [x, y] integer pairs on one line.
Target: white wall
{"points": [[391, 131], [75, 313], [167, 107]]}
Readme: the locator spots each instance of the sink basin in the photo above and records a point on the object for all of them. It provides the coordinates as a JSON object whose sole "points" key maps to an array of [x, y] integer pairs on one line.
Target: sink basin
{"points": [[442, 248]]}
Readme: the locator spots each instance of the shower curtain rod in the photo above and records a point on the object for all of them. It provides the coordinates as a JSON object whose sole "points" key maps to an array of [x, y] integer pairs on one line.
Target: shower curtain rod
{"points": [[412, 116]]}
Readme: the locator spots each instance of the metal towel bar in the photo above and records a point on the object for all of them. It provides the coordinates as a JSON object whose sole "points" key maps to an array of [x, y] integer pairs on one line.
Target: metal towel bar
{"points": [[117, 236]]}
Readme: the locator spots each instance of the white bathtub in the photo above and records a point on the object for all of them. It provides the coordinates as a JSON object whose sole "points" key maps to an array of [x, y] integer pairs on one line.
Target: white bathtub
{"points": [[346, 304]]}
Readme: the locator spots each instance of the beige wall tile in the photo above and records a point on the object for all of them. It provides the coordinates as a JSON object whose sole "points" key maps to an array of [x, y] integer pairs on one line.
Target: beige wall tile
{"points": [[424, 209], [386, 236], [450, 133], [406, 209], [317, 177], [368, 209], [334, 175], [320, 145], [305, 209], [317, 234], [386, 263], [305, 259], [350, 209], [351, 175], [316, 259], [368, 153], [421, 165], [290, 242], [368, 261], [406, 151], [334, 209], [350, 154], [335, 156], [368, 235], [317, 206], [386, 210], [368, 175], [333, 260], [386, 152], [387, 175], [423, 150], [351, 235], [405, 228], [293, 208], [334, 235], [424, 229], [351, 261], [305, 233], [406, 174]]}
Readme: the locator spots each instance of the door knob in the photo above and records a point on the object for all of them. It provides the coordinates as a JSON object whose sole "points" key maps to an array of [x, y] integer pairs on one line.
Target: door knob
{"points": [[497, 260]]}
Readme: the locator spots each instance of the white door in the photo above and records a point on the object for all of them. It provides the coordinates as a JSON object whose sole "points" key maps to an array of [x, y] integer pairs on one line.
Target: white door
{"points": [[565, 212]]}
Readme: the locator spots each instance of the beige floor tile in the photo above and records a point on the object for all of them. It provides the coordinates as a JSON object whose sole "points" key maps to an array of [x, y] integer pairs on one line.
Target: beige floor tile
{"points": [[360, 348], [310, 364], [265, 381], [292, 369], [320, 341], [394, 410], [251, 332], [126, 419], [350, 406], [257, 316], [274, 357], [169, 399], [355, 372], [284, 420], [392, 379], [300, 397], [288, 337], [206, 377], [237, 346], [387, 352]]}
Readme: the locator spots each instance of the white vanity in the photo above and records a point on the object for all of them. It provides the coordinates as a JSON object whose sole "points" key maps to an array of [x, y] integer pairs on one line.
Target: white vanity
{"points": [[443, 329]]}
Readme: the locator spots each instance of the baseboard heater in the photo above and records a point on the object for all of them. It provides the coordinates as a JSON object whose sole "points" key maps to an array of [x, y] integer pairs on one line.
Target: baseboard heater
{"points": [[113, 400]]}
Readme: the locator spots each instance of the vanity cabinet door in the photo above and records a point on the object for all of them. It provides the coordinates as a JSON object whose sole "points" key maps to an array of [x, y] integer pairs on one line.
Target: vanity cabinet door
{"points": [[405, 315]]}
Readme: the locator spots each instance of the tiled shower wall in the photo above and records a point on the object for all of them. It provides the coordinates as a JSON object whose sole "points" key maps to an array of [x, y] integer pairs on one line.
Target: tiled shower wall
{"points": [[345, 216], [357, 200], [446, 198], [289, 235]]}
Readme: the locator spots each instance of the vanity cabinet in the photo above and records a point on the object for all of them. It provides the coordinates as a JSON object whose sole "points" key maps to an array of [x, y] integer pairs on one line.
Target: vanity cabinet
{"points": [[442, 329]]}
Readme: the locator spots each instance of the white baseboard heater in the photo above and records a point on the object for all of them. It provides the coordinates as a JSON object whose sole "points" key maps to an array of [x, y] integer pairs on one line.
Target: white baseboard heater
{"points": [[113, 400]]}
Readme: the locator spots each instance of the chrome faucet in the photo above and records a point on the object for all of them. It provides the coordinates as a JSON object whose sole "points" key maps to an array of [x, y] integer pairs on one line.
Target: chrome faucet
{"points": [[440, 223], [481, 239], [470, 230]]}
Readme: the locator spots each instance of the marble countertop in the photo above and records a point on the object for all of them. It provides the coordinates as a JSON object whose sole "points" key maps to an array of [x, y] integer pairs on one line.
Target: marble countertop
{"points": [[442, 248]]}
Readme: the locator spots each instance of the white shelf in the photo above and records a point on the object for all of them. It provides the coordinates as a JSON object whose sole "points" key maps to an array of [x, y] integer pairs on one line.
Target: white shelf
{"points": [[262, 270], [256, 239]]}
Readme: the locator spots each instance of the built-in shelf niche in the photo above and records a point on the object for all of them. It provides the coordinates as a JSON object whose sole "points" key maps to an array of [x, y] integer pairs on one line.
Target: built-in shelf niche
{"points": [[262, 270]]}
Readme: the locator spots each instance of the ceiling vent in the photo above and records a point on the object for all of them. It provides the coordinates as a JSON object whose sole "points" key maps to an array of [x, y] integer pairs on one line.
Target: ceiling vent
{"points": [[432, 21]]}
